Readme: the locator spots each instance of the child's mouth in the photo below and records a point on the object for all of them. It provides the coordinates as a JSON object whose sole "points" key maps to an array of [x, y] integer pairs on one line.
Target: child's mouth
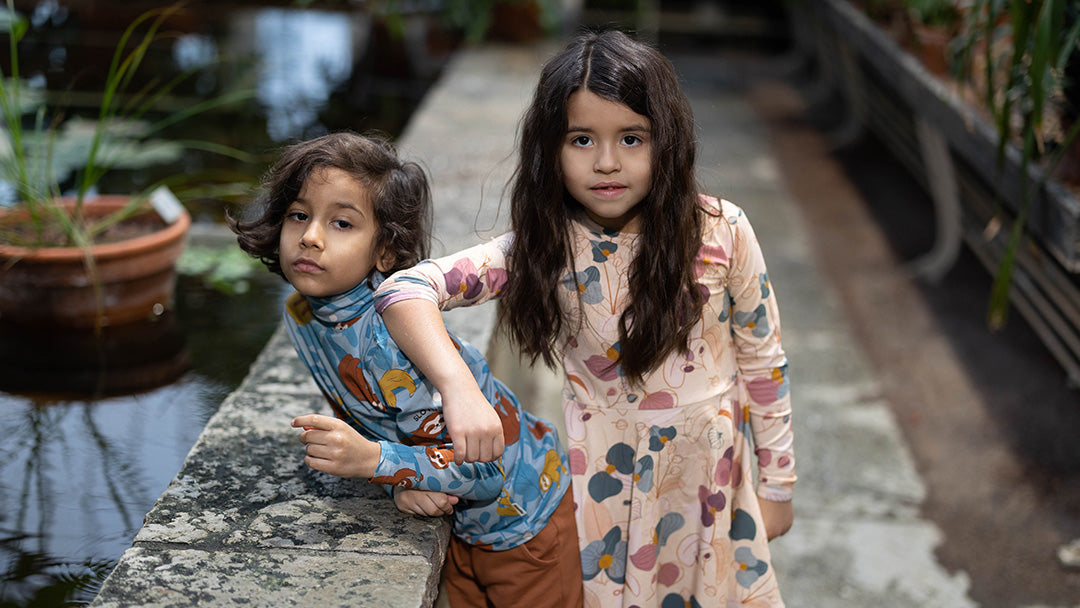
{"points": [[608, 189], [306, 265]]}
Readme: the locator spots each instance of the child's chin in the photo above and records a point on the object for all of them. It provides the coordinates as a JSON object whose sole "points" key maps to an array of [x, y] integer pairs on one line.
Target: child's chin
{"points": [[319, 293]]}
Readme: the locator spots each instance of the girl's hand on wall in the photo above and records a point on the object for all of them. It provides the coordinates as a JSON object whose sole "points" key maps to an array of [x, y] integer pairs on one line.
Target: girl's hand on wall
{"points": [[420, 502], [778, 517], [336, 448]]}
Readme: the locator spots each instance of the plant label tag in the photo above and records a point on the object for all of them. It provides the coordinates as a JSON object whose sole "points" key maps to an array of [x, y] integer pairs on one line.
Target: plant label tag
{"points": [[166, 204]]}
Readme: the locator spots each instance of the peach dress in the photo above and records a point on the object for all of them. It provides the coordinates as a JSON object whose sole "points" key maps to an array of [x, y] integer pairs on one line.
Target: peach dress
{"points": [[664, 497]]}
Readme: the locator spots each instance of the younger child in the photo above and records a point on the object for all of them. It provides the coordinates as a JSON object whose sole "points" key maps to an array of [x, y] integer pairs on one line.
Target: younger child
{"points": [[338, 212]]}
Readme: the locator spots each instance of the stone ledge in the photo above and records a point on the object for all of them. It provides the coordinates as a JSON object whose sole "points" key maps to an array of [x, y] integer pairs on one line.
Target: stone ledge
{"points": [[245, 518], [168, 577]]}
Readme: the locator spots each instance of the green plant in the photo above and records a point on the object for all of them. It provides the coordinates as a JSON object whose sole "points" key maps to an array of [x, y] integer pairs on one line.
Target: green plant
{"points": [[41, 152], [226, 270], [1015, 53], [944, 13]]}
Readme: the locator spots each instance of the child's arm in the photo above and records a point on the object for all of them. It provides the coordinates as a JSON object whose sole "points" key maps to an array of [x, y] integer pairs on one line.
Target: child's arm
{"points": [[421, 502], [472, 423], [336, 448], [410, 302], [762, 363]]}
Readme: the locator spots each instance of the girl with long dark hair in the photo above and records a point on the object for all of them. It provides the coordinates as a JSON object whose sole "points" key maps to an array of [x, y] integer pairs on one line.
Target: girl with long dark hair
{"points": [[657, 302]]}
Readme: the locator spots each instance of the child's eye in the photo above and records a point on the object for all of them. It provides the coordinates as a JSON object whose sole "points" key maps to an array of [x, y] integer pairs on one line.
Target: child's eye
{"points": [[581, 140], [298, 216], [631, 140], [342, 224]]}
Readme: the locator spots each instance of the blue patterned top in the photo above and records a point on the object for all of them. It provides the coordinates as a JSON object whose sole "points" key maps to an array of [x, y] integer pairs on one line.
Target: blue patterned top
{"points": [[372, 385]]}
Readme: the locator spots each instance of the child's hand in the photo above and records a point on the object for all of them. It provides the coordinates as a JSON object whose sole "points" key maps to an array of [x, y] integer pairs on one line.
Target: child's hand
{"points": [[336, 448], [421, 502], [473, 425], [777, 516]]}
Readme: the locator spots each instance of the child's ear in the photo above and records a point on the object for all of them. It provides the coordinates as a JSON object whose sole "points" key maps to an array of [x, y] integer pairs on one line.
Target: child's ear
{"points": [[386, 260]]}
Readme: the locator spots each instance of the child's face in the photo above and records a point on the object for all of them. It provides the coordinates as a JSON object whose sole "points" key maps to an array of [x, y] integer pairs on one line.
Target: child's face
{"points": [[606, 159], [327, 242]]}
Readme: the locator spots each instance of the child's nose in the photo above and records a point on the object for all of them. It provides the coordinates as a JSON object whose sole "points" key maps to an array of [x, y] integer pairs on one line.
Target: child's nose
{"points": [[607, 160], [312, 236]]}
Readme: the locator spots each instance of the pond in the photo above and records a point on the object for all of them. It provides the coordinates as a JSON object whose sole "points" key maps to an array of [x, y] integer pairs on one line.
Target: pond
{"points": [[89, 447]]}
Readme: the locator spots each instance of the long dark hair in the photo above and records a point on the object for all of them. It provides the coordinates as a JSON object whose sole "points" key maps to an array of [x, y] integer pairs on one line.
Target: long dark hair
{"points": [[400, 196], [665, 301]]}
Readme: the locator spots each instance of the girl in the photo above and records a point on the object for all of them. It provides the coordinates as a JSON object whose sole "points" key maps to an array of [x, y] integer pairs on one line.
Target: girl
{"points": [[337, 212], [658, 303]]}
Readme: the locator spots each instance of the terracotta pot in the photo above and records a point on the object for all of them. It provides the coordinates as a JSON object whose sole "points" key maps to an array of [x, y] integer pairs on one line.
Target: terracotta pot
{"points": [[50, 285]]}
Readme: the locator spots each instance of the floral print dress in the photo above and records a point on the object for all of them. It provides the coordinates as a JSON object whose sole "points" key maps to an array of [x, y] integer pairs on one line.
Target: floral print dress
{"points": [[666, 507]]}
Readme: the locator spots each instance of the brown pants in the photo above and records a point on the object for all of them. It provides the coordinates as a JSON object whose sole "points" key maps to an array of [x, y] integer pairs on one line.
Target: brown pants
{"points": [[545, 571]]}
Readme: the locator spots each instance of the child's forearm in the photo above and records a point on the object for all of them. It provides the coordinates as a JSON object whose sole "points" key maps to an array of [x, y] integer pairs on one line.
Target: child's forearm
{"points": [[474, 427]]}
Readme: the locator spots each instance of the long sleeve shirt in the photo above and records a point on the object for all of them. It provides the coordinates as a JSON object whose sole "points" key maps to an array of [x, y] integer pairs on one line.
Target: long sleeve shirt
{"points": [[374, 387]]}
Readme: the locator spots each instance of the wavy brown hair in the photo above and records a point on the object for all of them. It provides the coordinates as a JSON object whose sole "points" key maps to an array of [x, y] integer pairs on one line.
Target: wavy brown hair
{"points": [[665, 300], [400, 196]]}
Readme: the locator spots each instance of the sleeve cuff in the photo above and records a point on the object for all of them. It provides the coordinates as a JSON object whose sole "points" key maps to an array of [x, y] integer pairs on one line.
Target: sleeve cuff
{"points": [[776, 493]]}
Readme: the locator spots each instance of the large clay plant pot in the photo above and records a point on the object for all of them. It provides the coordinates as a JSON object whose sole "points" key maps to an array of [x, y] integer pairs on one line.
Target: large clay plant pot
{"points": [[133, 278]]}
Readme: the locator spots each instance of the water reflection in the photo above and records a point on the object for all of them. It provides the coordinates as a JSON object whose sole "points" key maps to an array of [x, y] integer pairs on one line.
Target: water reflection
{"points": [[80, 474], [303, 57]]}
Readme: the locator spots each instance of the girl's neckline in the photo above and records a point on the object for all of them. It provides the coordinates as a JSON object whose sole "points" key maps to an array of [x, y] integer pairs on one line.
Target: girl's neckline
{"points": [[593, 226]]}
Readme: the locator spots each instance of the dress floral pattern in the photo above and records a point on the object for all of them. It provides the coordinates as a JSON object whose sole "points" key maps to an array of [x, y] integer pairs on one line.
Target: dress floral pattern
{"points": [[662, 475]]}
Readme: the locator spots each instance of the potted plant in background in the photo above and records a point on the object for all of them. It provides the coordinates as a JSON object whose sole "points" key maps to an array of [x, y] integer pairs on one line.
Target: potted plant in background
{"points": [[1014, 53], [84, 260]]}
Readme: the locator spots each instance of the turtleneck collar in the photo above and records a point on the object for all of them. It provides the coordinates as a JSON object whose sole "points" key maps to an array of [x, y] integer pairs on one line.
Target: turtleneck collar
{"points": [[348, 305]]}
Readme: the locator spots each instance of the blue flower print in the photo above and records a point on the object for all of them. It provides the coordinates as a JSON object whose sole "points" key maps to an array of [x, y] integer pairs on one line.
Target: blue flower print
{"points": [[674, 600], [606, 233], [603, 485], [660, 436], [742, 526], [756, 320], [587, 283], [601, 250], [620, 457], [725, 307], [763, 279], [608, 555], [643, 473], [669, 524], [748, 568]]}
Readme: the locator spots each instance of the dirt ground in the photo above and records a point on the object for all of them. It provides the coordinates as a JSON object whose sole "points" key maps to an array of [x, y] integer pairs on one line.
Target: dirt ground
{"points": [[990, 417]]}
